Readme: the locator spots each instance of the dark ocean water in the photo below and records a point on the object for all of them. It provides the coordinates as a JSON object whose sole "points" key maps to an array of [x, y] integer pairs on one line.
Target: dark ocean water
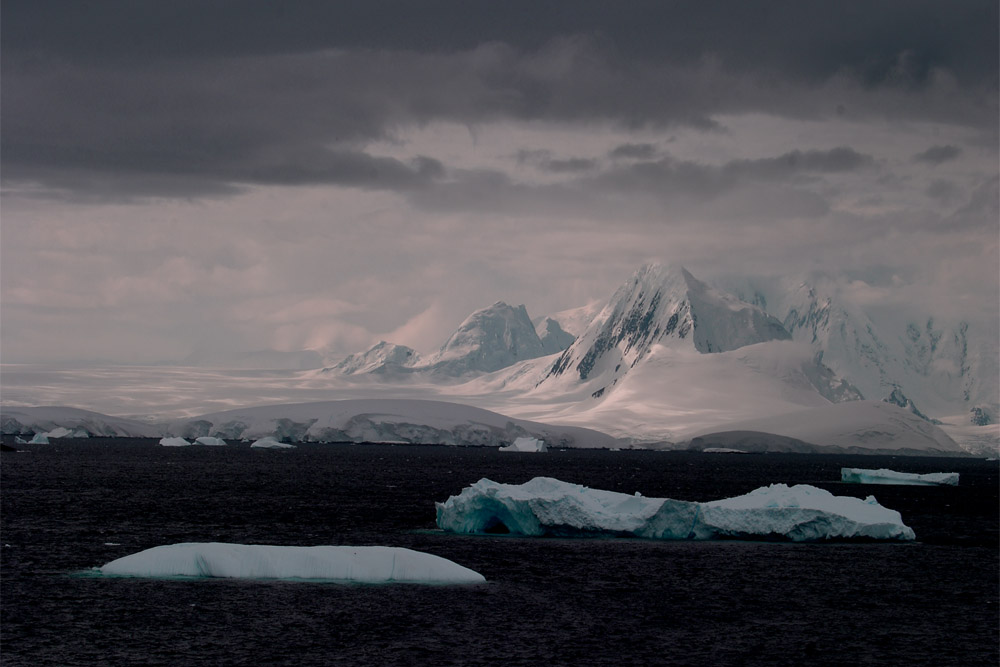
{"points": [[75, 505]]}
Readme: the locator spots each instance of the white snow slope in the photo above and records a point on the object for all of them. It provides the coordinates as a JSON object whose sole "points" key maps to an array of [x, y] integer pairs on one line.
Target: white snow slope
{"points": [[861, 427], [328, 563], [547, 506]]}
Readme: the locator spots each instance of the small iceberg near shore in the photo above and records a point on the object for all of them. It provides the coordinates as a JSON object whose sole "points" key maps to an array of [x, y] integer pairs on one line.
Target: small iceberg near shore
{"points": [[886, 476], [526, 445], [370, 565], [269, 442], [547, 506]]}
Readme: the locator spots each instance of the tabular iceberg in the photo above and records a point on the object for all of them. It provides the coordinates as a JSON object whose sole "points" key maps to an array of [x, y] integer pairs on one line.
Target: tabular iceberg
{"points": [[257, 561], [547, 506], [174, 442], [886, 476]]}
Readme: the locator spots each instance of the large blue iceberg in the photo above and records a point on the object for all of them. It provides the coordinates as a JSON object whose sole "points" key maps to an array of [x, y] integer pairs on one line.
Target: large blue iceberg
{"points": [[257, 561], [547, 506]]}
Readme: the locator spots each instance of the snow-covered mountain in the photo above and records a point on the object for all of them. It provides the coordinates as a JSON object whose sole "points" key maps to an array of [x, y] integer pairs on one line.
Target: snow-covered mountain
{"points": [[488, 340], [380, 357], [931, 368], [666, 358], [661, 305]]}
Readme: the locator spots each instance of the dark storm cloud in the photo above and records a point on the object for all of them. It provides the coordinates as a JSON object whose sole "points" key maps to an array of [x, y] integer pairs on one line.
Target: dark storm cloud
{"points": [[757, 189], [669, 176], [634, 151], [221, 93], [807, 39], [937, 154], [543, 159]]}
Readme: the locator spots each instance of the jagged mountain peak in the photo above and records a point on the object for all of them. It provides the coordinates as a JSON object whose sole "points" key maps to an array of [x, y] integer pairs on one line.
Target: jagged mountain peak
{"points": [[664, 304]]}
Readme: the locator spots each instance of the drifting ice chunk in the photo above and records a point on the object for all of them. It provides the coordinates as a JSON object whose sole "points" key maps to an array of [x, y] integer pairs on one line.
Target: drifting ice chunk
{"points": [[174, 442], [546, 506], [39, 439], [526, 445], [210, 441], [255, 561], [271, 443], [886, 476]]}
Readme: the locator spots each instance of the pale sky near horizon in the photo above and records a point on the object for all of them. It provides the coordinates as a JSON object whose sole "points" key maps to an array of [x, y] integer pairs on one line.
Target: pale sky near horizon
{"points": [[187, 176]]}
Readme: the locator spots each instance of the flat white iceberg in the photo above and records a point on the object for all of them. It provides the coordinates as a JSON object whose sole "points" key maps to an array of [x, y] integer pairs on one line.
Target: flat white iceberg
{"points": [[271, 443], [526, 445], [174, 442], [257, 561], [886, 476], [210, 441], [547, 506]]}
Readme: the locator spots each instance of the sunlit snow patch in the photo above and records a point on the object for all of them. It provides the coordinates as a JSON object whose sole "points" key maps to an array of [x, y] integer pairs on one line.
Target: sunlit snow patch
{"points": [[526, 445], [329, 563], [886, 476], [546, 506], [271, 443]]}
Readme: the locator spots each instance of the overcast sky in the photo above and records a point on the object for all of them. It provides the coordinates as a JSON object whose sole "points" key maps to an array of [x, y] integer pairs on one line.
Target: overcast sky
{"points": [[203, 175]]}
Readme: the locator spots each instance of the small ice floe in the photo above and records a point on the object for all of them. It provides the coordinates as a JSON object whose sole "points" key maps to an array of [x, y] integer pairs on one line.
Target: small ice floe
{"points": [[886, 476], [209, 441], [174, 442], [326, 563], [526, 444], [547, 506], [271, 443]]}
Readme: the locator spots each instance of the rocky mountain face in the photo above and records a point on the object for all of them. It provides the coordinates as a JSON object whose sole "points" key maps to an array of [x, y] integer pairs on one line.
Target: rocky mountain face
{"points": [[665, 306]]}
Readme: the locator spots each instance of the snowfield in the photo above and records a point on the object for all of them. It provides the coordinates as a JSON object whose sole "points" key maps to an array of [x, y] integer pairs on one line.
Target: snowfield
{"points": [[372, 565], [547, 506]]}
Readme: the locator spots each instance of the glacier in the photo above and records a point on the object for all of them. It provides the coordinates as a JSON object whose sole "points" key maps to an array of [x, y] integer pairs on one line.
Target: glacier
{"points": [[375, 564], [526, 445], [886, 476], [548, 506]]}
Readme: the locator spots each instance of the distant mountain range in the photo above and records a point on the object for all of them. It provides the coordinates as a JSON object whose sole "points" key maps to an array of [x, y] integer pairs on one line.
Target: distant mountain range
{"points": [[798, 338]]}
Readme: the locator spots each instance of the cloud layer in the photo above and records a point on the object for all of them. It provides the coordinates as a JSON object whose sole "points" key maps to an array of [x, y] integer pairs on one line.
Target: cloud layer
{"points": [[321, 174]]}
